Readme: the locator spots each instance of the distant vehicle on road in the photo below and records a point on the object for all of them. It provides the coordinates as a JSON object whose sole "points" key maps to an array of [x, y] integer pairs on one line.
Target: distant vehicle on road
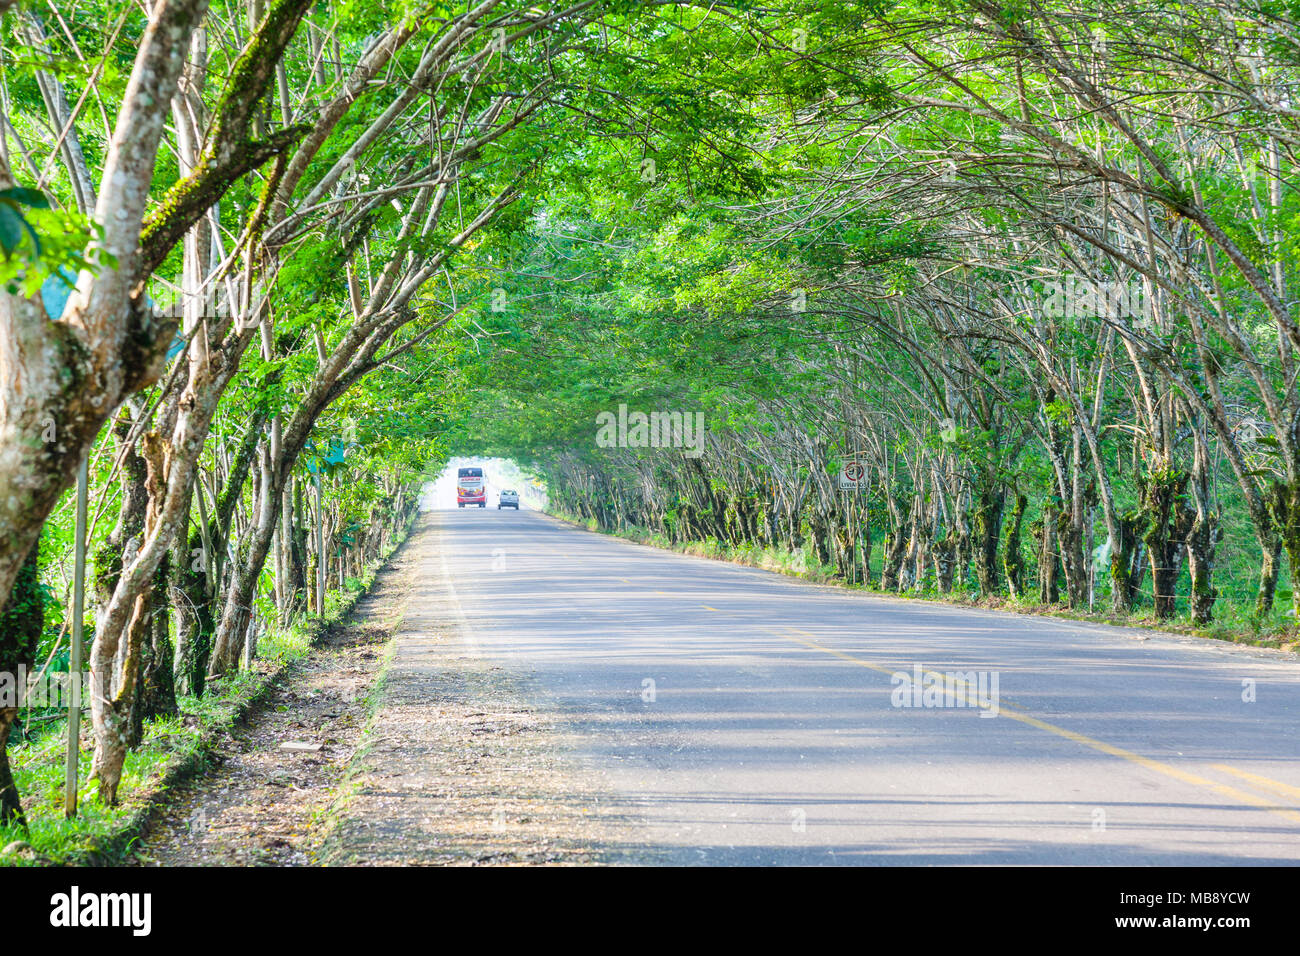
{"points": [[508, 499], [471, 488]]}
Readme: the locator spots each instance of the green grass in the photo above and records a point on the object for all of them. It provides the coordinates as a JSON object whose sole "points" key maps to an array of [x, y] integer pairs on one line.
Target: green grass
{"points": [[173, 750]]}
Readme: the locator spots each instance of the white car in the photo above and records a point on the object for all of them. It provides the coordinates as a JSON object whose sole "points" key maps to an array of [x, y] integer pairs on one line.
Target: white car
{"points": [[508, 499]]}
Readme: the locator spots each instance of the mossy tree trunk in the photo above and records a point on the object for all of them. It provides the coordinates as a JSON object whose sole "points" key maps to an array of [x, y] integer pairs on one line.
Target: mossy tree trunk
{"points": [[157, 696], [21, 622], [1162, 490], [1203, 535], [944, 551], [195, 624], [1286, 509], [1202, 542], [1048, 560], [1069, 537], [895, 549], [1269, 565], [1013, 560], [1124, 570], [987, 515]]}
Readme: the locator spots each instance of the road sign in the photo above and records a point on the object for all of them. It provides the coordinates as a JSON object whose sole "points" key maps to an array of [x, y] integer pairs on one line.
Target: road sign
{"points": [[853, 476]]}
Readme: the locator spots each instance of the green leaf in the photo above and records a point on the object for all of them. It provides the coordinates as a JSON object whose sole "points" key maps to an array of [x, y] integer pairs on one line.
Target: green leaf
{"points": [[28, 197], [11, 228]]}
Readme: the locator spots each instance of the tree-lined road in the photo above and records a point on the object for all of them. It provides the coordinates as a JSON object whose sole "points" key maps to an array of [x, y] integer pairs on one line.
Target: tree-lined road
{"points": [[737, 716]]}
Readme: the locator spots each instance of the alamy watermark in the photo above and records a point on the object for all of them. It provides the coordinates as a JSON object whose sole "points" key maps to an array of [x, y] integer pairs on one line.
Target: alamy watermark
{"points": [[133, 911], [922, 688], [651, 430], [1074, 296], [46, 688]]}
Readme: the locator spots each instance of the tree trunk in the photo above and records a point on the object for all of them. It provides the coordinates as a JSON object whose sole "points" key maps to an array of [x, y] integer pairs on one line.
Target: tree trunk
{"points": [[1286, 506], [1049, 559], [1125, 564], [194, 618], [1201, 544], [944, 552], [115, 663], [987, 516], [157, 696], [1269, 564], [1069, 535], [1161, 489], [895, 548], [1013, 561], [21, 621], [64, 378]]}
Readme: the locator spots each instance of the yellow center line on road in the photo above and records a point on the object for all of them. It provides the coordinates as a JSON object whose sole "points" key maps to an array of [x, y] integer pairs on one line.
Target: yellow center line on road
{"points": [[1264, 783], [954, 686], [1148, 763]]}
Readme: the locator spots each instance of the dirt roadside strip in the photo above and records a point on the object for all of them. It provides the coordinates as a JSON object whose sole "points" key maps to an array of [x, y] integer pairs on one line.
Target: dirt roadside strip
{"points": [[458, 767], [260, 802], [427, 754]]}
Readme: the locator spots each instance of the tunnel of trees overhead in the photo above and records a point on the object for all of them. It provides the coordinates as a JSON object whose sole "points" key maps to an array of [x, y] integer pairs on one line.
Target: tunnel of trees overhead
{"points": [[957, 297]]}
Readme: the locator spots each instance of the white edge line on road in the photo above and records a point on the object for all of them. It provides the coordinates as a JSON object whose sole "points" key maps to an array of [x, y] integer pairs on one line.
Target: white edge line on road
{"points": [[453, 599]]}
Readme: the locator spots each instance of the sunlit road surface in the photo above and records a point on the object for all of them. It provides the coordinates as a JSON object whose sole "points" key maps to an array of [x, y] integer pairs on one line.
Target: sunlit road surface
{"points": [[736, 716]]}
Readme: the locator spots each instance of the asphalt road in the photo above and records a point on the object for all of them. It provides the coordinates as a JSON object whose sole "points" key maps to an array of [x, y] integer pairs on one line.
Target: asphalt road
{"points": [[737, 716]]}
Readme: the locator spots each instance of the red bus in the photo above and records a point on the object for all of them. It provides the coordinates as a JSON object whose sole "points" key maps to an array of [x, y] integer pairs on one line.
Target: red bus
{"points": [[471, 488]]}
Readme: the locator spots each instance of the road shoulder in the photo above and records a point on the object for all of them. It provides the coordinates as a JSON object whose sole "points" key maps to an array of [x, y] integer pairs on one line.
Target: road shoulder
{"points": [[458, 765]]}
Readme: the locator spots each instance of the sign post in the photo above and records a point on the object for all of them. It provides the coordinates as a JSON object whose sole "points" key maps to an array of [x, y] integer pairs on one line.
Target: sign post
{"points": [[75, 683]]}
